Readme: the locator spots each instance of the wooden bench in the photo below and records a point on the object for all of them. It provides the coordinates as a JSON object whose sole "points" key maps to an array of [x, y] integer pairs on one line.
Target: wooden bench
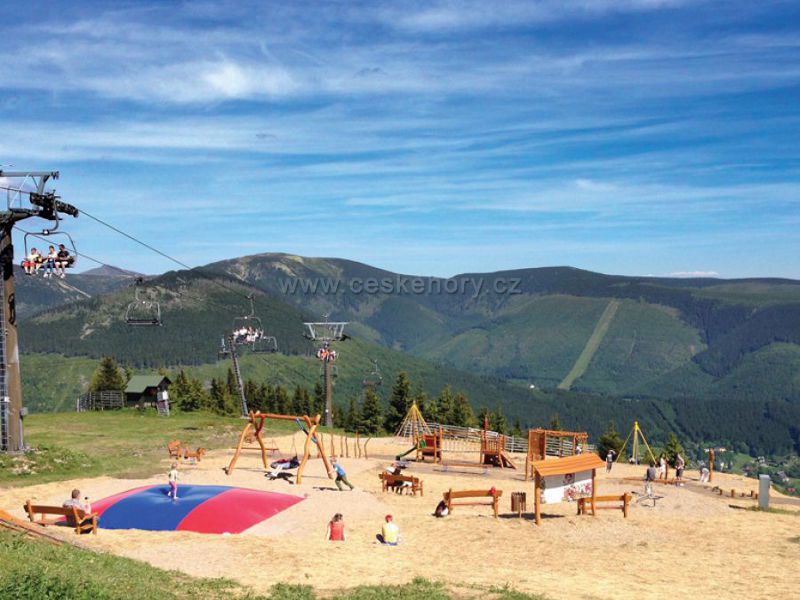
{"points": [[197, 455], [494, 501], [398, 483], [83, 522], [585, 504]]}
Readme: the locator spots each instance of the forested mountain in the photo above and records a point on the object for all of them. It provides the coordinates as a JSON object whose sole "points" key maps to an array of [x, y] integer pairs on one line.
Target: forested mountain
{"points": [[665, 336], [719, 359]]}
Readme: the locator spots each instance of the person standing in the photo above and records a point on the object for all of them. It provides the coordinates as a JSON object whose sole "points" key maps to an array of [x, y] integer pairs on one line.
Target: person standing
{"points": [[341, 475], [680, 465], [610, 460], [173, 481], [649, 477]]}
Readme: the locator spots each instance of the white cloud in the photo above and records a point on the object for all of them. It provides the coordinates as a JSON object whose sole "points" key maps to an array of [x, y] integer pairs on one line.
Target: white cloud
{"points": [[694, 274]]}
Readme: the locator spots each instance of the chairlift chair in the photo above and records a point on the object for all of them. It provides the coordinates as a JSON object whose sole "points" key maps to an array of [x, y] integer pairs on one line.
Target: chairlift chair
{"points": [[374, 377], [143, 311], [59, 238]]}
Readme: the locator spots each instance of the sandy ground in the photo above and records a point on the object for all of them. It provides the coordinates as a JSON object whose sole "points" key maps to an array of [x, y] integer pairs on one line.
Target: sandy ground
{"points": [[694, 543]]}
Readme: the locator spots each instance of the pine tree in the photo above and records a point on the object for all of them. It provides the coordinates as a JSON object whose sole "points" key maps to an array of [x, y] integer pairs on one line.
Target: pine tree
{"points": [[444, 405], [484, 417], [298, 404], [610, 440], [399, 402], [107, 377], [371, 413], [497, 421], [555, 423], [195, 398], [421, 398], [672, 448], [352, 419], [179, 390], [461, 413], [233, 388], [516, 431], [282, 402], [319, 400]]}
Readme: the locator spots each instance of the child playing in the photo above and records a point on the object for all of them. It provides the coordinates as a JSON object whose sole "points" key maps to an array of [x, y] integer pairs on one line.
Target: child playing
{"points": [[173, 482], [335, 531], [390, 532]]}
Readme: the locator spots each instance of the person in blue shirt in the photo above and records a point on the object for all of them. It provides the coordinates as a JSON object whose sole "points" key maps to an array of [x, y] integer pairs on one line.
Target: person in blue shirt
{"points": [[341, 476]]}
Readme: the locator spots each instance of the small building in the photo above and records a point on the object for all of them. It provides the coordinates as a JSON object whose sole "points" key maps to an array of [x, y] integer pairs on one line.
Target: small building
{"points": [[146, 390]]}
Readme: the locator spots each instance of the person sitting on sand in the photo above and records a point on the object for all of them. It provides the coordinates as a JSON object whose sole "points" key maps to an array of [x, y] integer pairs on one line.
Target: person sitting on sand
{"points": [[441, 509], [75, 500], [335, 531], [390, 532], [704, 474]]}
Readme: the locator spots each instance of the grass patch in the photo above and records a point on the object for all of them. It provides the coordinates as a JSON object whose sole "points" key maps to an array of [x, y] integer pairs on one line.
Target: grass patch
{"points": [[122, 443], [33, 570], [775, 511]]}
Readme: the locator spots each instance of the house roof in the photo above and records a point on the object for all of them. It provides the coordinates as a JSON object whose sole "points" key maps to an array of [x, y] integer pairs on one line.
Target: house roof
{"points": [[570, 464], [140, 383]]}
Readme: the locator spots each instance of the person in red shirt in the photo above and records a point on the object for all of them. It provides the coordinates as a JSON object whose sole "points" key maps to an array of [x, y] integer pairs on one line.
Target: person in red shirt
{"points": [[335, 532]]}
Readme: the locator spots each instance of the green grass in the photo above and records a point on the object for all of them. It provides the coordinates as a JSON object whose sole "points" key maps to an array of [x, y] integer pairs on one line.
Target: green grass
{"points": [[600, 330], [33, 570], [53, 382], [125, 443], [775, 511]]}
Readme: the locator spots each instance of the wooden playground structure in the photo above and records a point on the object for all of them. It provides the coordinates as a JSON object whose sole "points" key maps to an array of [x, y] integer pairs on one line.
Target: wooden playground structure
{"points": [[541, 440], [493, 451], [562, 476], [254, 428], [433, 440]]}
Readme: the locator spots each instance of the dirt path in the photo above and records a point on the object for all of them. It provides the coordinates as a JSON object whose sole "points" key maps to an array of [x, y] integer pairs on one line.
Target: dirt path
{"points": [[692, 544]]}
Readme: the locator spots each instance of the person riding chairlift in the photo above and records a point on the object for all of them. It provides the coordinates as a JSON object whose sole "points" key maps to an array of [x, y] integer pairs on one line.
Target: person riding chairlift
{"points": [[63, 260], [50, 262], [32, 262]]}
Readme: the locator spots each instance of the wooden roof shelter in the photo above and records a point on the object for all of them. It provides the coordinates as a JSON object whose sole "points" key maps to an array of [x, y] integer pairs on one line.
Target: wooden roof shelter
{"points": [[563, 466]]}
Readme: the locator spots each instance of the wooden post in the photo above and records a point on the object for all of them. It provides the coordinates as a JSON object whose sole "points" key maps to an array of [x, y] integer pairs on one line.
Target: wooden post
{"points": [[626, 500], [365, 448], [536, 500], [236, 454], [733, 493], [594, 490], [711, 456]]}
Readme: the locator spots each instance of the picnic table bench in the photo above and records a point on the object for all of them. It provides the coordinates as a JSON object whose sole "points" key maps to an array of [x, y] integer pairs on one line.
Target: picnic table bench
{"points": [[492, 494], [401, 482], [82, 521], [586, 504]]}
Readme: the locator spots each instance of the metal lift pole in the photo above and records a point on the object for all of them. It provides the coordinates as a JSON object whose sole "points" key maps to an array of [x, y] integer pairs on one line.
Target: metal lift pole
{"points": [[238, 374]]}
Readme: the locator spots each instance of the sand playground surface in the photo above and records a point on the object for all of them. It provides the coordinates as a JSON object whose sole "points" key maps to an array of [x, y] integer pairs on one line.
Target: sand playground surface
{"points": [[693, 543]]}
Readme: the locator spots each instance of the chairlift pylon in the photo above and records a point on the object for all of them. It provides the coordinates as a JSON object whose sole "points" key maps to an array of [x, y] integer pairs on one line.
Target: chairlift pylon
{"points": [[144, 311]]}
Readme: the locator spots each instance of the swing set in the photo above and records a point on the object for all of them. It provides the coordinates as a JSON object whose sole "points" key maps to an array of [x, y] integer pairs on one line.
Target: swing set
{"points": [[254, 428]]}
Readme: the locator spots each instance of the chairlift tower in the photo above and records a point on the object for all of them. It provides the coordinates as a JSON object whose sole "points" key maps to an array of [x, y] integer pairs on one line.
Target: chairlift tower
{"points": [[27, 197], [326, 333]]}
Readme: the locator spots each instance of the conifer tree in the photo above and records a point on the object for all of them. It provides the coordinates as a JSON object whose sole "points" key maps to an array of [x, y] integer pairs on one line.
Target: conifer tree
{"points": [[497, 421], [352, 419], [461, 413], [107, 377], [371, 413], [319, 399], [399, 402], [610, 440], [444, 405]]}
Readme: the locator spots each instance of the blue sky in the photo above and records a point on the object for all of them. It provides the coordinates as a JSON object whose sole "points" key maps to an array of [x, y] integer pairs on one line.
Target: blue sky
{"points": [[629, 136]]}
